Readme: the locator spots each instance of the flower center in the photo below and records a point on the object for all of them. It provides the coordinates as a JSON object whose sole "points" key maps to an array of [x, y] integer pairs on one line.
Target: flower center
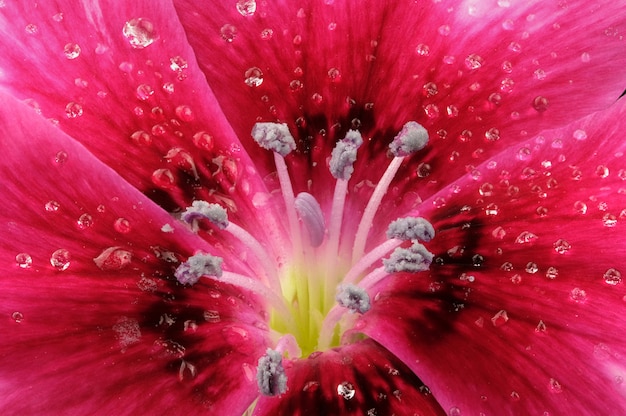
{"points": [[317, 294]]}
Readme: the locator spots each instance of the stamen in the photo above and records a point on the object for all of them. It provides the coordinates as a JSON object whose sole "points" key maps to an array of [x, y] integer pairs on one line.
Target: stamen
{"points": [[275, 137], [411, 228], [310, 213], [196, 266], [413, 259], [271, 377], [370, 258], [217, 215], [354, 298], [203, 210], [412, 137], [344, 155]]}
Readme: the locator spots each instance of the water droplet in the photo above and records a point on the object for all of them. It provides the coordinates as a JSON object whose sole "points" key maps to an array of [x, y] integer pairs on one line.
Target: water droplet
{"points": [[346, 390], [144, 91], [444, 30], [602, 171], [578, 295], [17, 317], [163, 178], [526, 237], [539, 74], [84, 221], [295, 85], [60, 259], [580, 135], [492, 134], [141, 138], [73, 110], [253, 77], [561, 246], [203, 140], [139, 32], [71, 50], [52, 206], [554, 386], [113, 258], [24, 260], [552, 273], [212, 316], [122, 225], [454, 411], [31, 29], [540, 328], [267, 34], [422, 50], [580, 207], [500, 318], [246, 7], [531, 267], [540, 103], [184, 113], [228, 32], [473, 61], [334, 75], [612, 277]]}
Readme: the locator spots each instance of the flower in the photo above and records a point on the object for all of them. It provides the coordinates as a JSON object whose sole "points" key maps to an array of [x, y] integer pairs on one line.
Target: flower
{"points": [[212, 208]]}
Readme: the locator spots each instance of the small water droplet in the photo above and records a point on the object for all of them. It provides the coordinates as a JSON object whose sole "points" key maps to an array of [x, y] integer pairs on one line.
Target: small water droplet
{"points": [[17, 316], [612, 277], [554, 386], [24, 260], [73, 110], [540, 103], [212, 316], [500, 318], [602, 171], [334, 75], [454, 411], [561, 246], [422, 50], [541, 327], [60, 259], [228, 32], [473, 61], [346, 390], [580, 135], [552, 273], [163, 178], [144, 91], [253, 77], [122, 226], [526, 237], [267, 34], [296, 85], [531, 267], [139, 32], [246, 7], [31, 29], [493, 134], [539, 74], [141, 138], [84, 221], [71, 50], [184, 113], [52, 206], [578, 295]]}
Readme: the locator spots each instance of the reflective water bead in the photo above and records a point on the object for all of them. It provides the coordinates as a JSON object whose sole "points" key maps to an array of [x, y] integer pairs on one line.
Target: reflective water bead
{"points": [[561, 246], [346, 390], [531, 267], [526, 237], [578, 295], [580, 135], [540, 103], [246, 7], [73, 110], [24, 260], [84, 221], [144, 91], [52, 206], [184, 113], [500, 318], [253, 77], [552, 273], [212, 316], [334, 75], [228, 32], [612, 277], [122, 225], [17, 317], [163, 178], [71, 50], [422, 50], [113, 258], [139, 32], [60, 259], [141, 138]]}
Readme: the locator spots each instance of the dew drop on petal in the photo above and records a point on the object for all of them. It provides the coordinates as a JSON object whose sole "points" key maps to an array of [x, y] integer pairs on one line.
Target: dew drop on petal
{"points": [[580, 135], [141, 138], [139, 32], [500, 318], [454, 411], [526, 237], [246, 7], [73, 110], [422, 50], [561, 246], [578, 295], [540, 103], [84, 221], [24, 260], [228, 32], [531, 267], [554, 386], [52, 206], [17, 316], [203, 140], [212, 316], [163, 178], [122, 226], [71, 50], [60, 259], [346, 390], [612, 277], [144, 91], [185, 113], [113, 258], [552, 273], [253, 77]]}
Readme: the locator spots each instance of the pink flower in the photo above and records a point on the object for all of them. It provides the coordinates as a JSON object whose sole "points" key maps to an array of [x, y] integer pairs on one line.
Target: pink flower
{"points": [[250, 207]]}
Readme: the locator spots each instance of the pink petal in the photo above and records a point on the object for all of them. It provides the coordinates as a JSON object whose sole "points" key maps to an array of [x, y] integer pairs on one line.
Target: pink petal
{"points": [[461, 69], [358, 379], [124, 82], [110, 332], [523, 309]]}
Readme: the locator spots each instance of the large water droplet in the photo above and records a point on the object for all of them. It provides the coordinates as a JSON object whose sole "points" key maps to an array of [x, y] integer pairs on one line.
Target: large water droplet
{"points": [[71, 50], [246, 7], [346, 390], [113, 258], [52, 206], [84, 221], [60, 259], [24, 260], [612, 277], [73, 110], [540, 103], [253, 77], [228, 32], [139, 32]]}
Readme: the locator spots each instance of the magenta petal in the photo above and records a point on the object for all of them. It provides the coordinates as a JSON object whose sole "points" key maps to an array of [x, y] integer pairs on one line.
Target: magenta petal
{"points": [[124, 82], [480, 76], [92, 319], [358, 379], [523, 308]]}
